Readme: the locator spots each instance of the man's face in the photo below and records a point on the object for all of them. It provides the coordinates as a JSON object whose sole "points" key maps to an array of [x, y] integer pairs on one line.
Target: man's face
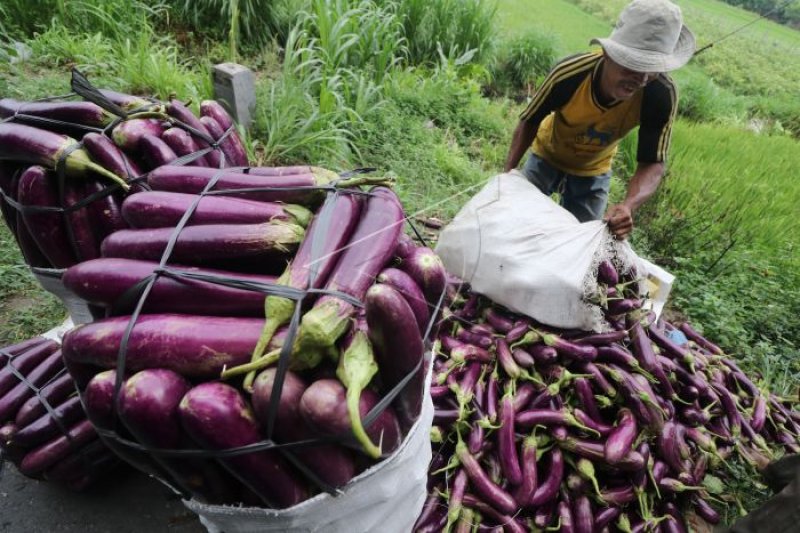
{"points": [[620, 83]]}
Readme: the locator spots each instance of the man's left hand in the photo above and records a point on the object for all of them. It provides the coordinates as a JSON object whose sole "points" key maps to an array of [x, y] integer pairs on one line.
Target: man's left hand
{"points": [[620, 220]]}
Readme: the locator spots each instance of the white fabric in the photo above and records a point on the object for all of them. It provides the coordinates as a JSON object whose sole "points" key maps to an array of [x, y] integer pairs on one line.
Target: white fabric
{"points": [[387, 498], [518, 247], [50, 280]]}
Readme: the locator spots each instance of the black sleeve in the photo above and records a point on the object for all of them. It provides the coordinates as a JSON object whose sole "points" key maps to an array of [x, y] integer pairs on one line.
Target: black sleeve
{"points": [[659, 105], [559, 86]]}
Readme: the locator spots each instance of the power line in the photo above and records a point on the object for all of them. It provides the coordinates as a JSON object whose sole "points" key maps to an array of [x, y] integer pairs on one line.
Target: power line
{"points": [[740, 28]]}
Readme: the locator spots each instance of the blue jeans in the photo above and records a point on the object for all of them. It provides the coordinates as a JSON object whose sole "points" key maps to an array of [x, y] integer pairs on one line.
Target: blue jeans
{"points": [[585, 197]]}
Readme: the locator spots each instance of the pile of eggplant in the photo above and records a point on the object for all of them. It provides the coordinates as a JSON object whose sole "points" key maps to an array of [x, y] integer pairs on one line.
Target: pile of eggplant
{"points": [[250, 336], [67, 165], [539, 429], [44, 431]]}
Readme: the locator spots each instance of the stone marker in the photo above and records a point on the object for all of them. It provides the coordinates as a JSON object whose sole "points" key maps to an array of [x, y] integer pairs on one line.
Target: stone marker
{"points": [[234, 86]]}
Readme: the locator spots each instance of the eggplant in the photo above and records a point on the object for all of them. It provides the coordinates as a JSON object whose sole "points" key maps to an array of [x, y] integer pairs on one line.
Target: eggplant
{"points": [[427, 269], [304, 189], [155, 152], [56, 450], [331, 463], [80, 227], [194, 346], [548, 488], [40, 147], [104, 281], [530, 482], [394, 333], [370, 247], [110, 156], [208, 245], [37, 189], [323, 407], [24, 363], [232, 145], [493, 494], [11, 401], [507, 449], [83, 113], [98, 399], [178, 110], [411, 292], [311, 267], [701, 341], [217, 417], [129, 132], [182, 144], [49, 425], [159, 209], [52, 394], [622, 437]]}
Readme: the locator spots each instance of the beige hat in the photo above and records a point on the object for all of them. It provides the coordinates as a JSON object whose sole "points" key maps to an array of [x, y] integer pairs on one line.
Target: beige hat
{"points": [[650, 37]]}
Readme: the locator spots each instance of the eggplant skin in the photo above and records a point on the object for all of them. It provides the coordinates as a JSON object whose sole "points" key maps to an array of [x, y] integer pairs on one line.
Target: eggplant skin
{"points": [[194, 346]]}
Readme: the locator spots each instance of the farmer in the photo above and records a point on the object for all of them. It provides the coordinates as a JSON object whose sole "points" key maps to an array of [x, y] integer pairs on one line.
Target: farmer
{"points": [[590, 101]]}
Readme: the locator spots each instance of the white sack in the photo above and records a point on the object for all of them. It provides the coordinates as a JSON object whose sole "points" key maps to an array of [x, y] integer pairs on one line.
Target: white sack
{"points": [[518, 247]]}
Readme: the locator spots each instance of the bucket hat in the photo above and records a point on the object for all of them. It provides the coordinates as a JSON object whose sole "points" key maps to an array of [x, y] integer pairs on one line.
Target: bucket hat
{"points": [[649, 37]]}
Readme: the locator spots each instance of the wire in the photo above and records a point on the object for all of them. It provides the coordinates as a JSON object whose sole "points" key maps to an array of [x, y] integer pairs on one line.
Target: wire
{"points": [[740, 28]]}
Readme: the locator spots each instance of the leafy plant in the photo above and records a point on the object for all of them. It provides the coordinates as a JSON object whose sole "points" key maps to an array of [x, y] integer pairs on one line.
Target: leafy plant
{"points": [[522, 62]]}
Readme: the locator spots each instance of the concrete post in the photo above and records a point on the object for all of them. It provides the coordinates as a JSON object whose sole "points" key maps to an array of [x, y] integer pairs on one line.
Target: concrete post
{"points": [[234, 85]]}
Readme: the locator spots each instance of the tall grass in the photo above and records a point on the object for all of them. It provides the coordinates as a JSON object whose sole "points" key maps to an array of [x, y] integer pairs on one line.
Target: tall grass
{"points": [[727, 187], [454, 27]]}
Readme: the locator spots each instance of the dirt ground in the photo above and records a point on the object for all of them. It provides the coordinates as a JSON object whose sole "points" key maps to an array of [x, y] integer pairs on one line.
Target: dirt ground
{"points": [[126, 502]]}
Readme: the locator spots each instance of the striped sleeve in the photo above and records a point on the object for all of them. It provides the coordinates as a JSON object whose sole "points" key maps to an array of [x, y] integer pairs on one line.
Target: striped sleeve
{"points": [[659, 107], [559, 86]]}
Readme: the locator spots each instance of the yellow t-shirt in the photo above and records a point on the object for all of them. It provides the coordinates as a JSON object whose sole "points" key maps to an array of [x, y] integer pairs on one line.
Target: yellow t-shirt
{"points": [[579, 135]]}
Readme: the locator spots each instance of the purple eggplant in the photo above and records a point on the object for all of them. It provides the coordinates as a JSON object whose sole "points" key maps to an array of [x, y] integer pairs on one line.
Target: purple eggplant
{"points": [[398, 348], [178, 110], [620, 441], [507, 448], [104, 281], [701, 341], [232, 145], [39, 147], [323, 406], [217, 417], [24, 363], [49, 425], [53, 393], [183, 144], [109, 155], [333, 464], [208, 245], [83, 113], [493, 494], [427, 269], [48, 454], [155, 152], [193, 346], [128, 133], [98, 398], [11, 400], [37, 189], [159, 209], [549, 485], [405, 285]]}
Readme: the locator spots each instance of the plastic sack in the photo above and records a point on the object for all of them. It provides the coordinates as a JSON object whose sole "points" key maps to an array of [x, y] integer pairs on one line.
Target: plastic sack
{"points": [[518, 247], [387, 498]]}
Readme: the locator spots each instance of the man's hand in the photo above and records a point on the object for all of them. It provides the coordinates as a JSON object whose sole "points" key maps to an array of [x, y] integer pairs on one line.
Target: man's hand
{"points": [[620, 220]]}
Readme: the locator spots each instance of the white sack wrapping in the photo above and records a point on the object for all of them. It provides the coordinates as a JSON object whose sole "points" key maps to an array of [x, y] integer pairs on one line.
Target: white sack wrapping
{"points": [[387, 498], [518, 247], [50, 280]]}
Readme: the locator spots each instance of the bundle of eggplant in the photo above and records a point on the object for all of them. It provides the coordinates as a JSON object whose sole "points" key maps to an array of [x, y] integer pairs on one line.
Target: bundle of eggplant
{"points": [[43, 428], [66, 166], [272, 360], [541, 429]]}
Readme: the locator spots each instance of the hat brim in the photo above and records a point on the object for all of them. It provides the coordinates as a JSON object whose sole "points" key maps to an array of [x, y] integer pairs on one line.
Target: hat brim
{"points": [[647, 60]]}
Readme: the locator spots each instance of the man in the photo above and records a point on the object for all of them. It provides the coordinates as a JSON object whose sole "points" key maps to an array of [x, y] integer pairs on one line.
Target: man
{"points": [[590, 101]]}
